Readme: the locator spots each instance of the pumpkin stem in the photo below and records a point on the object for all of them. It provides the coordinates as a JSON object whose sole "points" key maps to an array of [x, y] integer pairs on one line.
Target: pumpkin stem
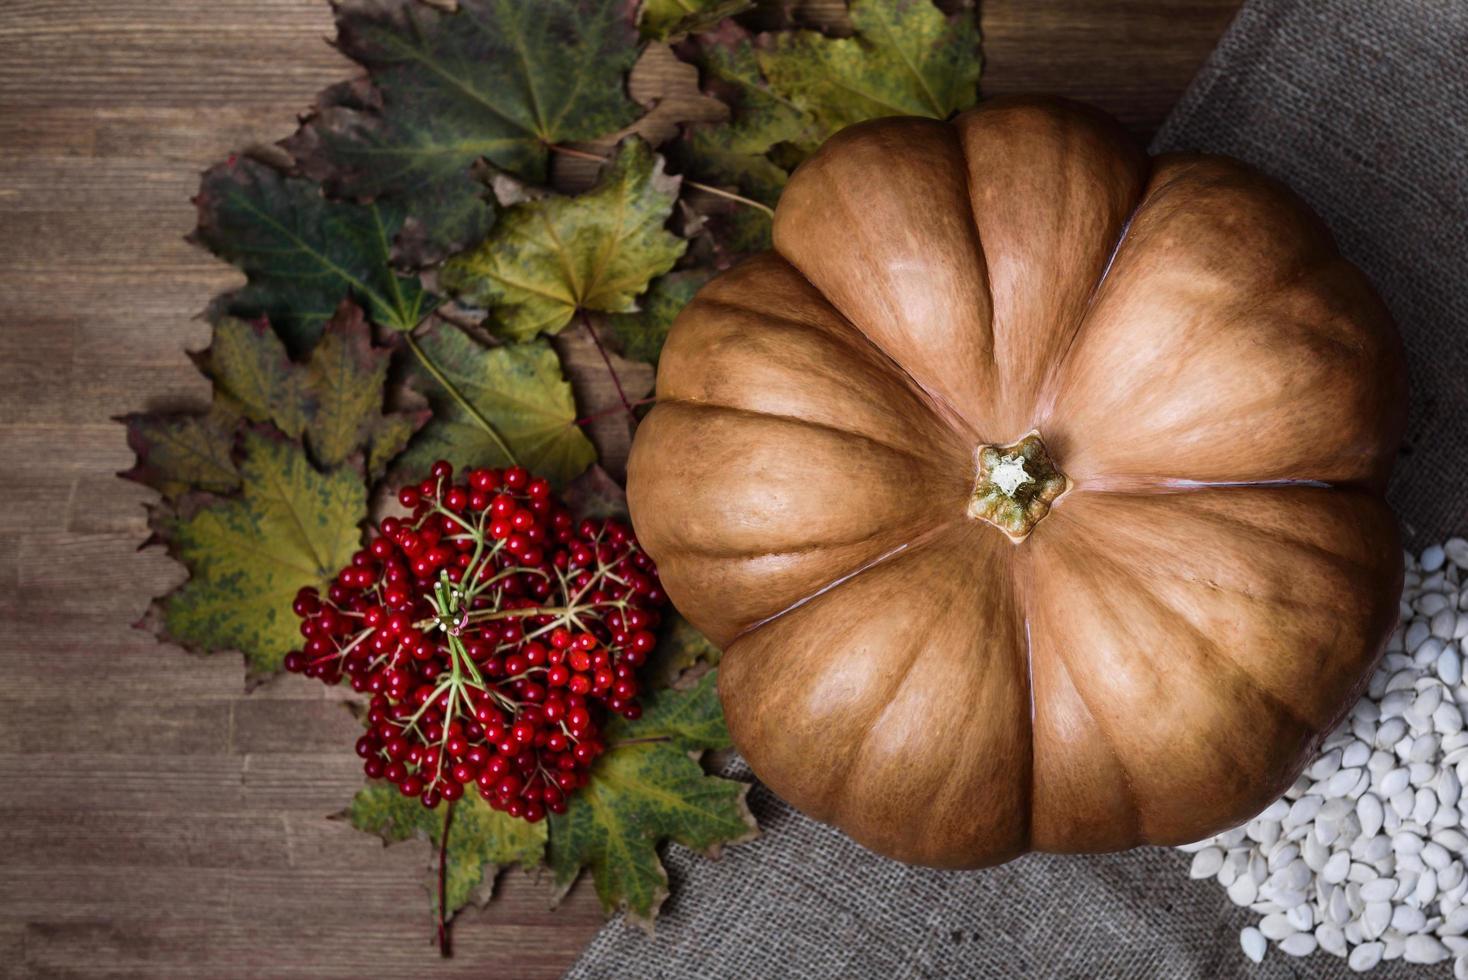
{"points": [[1015, 486]]}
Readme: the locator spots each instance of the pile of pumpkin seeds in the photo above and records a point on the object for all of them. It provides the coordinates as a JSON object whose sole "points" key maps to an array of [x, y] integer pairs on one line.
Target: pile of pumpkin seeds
{"points": [[1364, 857]]}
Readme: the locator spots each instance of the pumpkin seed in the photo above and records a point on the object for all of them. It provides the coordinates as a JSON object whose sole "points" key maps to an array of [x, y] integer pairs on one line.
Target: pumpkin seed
{"points": [[1365, 957], [1254, 943], [1424, 949]]}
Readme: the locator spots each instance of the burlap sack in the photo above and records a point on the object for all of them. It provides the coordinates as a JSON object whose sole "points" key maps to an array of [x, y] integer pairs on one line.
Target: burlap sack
{"points": [[1362, 106]]}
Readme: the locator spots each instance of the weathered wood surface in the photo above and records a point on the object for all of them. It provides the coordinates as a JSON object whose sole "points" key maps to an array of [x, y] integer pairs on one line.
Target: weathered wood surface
{"points": [[155, 820]]}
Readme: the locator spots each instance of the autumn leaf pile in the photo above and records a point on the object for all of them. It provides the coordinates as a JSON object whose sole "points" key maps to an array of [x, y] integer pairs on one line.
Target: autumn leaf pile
{"points": [[473, 252]]}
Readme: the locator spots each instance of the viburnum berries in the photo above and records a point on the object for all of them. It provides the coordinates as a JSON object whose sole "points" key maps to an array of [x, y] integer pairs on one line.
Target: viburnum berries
{"points": [[494, 634]]}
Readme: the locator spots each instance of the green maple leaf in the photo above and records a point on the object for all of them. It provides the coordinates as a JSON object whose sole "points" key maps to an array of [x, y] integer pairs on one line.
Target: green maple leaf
{"points": [[647, 789], [680, 647], [302, 253], [907, 59], [355, 151], [499, 79], [187, 451], [662, 19], [334, 400], [345, 378], [550, 257], [640, 335], [760, 119], [482, 840], [292, 526], [253, 374], [518, 389]]}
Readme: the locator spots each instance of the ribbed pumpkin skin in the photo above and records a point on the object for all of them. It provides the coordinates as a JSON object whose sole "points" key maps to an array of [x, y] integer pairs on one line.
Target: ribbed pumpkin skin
{"points": [[1161, 654]]}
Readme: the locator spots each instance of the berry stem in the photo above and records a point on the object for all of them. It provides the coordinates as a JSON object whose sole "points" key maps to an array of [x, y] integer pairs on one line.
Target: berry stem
{"points": [[443, 882], [458, 397], [607, 359]]}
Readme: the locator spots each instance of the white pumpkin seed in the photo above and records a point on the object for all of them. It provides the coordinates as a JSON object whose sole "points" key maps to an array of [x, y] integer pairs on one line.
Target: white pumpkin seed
{"points": [[1325, 766], [1425, 806], [1253, 942], [1426, 889], [1365, 957], [1369, 814], [1376, 919], [1206, 863], [1330, 938], [1244, 890], [1406, 919], [1336, 868], [1276, 926], [1456, 924], [1380, 890], [1361, 873], [1424, 949]]}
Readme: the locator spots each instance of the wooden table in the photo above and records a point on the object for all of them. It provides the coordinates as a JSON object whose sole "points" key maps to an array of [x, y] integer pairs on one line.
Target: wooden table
{"points": [[154, 819]]}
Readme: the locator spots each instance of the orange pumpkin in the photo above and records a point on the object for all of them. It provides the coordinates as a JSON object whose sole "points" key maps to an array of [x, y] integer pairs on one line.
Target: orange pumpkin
{"points": [[1032, 487]]}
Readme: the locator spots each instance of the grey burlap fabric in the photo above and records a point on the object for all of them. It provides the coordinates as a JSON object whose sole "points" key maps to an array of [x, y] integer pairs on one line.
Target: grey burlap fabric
{"points": [[1362, 106]]}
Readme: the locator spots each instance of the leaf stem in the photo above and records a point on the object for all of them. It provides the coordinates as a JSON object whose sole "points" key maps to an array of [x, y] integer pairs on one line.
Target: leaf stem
{"points": [[706, 188], [458, 397], [577, 154], [443, 882], [730, 195], [607, 359]]}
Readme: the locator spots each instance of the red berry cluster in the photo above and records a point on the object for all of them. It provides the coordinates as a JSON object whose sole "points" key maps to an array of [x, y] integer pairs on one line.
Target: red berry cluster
{"points": [[494, 633]]}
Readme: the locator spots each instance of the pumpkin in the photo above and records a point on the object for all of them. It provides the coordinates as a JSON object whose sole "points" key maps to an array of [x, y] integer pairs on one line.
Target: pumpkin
{"points": [[1031, 486]]}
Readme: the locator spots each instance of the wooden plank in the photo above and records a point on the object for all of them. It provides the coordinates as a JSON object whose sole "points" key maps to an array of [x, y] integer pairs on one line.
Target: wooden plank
{"points": [[1132, 58]]}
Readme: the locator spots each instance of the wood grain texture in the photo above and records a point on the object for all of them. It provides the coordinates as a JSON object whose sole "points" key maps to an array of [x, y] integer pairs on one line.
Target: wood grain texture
{"points": [[157, 821]]}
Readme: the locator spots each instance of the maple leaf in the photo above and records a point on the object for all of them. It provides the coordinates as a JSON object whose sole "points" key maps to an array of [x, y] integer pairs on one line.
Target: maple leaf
{"points": [[253, 374], [906, 59], [759, 120], [550, 257], [648, 788], [348, 145], [345, 378], [184, 451], [662, 19], [640, 335], [518, 389], [291, 526], [499, 79], [303, 254], [482, 840], [333, 400]]}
